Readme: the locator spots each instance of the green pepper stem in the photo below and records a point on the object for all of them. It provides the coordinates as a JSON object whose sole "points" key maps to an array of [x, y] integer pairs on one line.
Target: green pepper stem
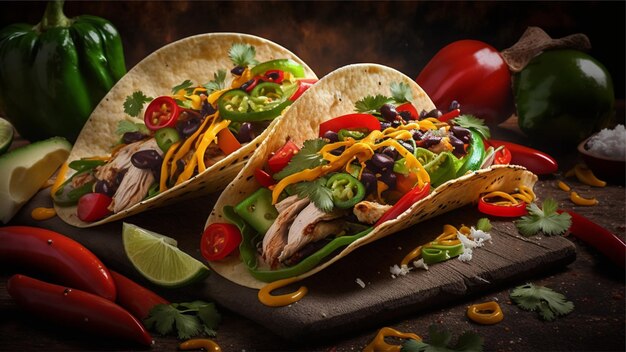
{"points": [[54, 16]]}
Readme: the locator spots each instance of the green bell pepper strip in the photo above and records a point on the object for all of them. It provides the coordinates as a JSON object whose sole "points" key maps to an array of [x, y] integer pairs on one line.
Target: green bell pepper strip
{"points": [[85, 164], [442, 168], [346, 190], [53, 75], [67, 195], [345, 133], [258, 210], [475, 154], [237, 105], [247, 251], [438, 253], [287, 65], [423, 155]]}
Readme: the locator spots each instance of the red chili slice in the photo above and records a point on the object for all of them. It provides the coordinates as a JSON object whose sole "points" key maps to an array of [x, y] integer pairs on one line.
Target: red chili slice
{"points": [[219, 240], [350, 121], [276, 76], [281, 158], [449, 115], [503, 155], [161, 112], [303, 85], [509, 211], [408, 107]]}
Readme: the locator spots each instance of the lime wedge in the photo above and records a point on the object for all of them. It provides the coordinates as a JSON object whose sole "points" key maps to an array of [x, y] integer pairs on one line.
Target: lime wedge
{"points": [[24, 170], [6, 135], [158, 259]]}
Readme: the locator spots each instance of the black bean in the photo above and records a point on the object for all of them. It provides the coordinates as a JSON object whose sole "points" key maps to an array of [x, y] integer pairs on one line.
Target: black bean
{"points": [[436, 113], [207, 109], [332, 136], [238, 70], [396, 123], [382, 161], [247, 84], [423, 114], [338, 151], [461, 133], [389, 178], [102, 186], [417, 135], [132, 137], [187, 127], [408, 146], [368, 180], [391, 152], [384, 125], [146, 159], [119, 177], [429, 141], [245, 133], [458, 146], [406, 116], [454, 105], [272, 76], [388, 112]]}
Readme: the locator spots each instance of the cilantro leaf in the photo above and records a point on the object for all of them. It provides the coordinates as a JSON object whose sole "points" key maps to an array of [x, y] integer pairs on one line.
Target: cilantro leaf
{"points": [[242, 55], [217, 83], [184, 85], [317, 192], [124, 126], [440, 342], [469, 121], [186, 319], [548, 303], [483, 224], [307, 158], [371, 104], [134, 103], [547, 220], [401, 92]]}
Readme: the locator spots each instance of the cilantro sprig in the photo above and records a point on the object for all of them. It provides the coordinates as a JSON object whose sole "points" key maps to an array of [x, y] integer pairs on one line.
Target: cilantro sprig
{"points": [[440, 339], [371, 104], [186, 319], [124, 126], [546, 220], [307, 158], [242, 55], [548, 303], [186, 85], [217, 83], [134, 103], [317, 192], [470, 121], [401, 92]]}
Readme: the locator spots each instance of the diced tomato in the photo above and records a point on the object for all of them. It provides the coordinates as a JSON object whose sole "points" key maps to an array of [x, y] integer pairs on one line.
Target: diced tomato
{"points": [[93, 207], [350, 121], [219, 240], [281, 158], [408, 107], [263, 178], [303, 85], [227, 142]]}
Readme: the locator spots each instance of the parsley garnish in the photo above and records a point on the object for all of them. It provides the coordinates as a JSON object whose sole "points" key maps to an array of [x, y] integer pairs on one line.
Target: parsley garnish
{"points": [[134, 103], [124, 126], [317, 192], [547, 220], [371, 104], [469, 121], [401, 92], [217, 83], [440, 342], [242, 55], [184, 86], [483, 224], [307, 158], [549, 303], [188, 319]]}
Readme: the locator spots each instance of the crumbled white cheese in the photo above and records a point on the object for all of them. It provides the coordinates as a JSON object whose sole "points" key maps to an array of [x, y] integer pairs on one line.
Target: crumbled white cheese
{"points": [[420, 264], [360, 282], [399, 270], [479, 239]]}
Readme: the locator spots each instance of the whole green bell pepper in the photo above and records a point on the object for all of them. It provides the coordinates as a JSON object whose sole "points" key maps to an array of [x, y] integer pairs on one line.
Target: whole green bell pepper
{"points": [[52, 75], [563, 96]]}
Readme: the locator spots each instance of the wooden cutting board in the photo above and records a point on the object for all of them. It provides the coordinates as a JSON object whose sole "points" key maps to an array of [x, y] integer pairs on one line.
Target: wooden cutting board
{"points": [[336, 304]]}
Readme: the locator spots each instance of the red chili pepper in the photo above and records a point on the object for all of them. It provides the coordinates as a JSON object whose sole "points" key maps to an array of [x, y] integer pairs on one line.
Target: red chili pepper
{"points": [[408, 107], [219, 240], [598, 237], [52, 253], [136, 299], [248, 86], [161, 112], [503, 155], [77, 309], [534, 160], [276, 76], [303, 85], [350, 121], [510, 211], [93, 206], [404, 203], [449, 115], [281, 158], [472, 73], [263, 178]]}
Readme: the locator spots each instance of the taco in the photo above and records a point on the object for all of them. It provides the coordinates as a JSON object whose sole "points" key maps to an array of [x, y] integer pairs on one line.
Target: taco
{"points": [[216, 97], [329, 180]]}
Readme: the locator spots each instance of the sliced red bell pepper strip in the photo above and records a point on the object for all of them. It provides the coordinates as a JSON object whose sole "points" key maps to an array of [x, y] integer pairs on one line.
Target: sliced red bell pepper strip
{"points": [[54, 254], [281, 158], [77, 309], [263, 178], [449, 115], [135, 298], [404, 203], [161, 112], [350, 121], [534, 160], [509, 211], [303, 86], [227, 142], [598, 237]]}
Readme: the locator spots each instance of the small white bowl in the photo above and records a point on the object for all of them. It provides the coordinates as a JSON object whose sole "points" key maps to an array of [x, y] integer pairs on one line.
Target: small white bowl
{"points": [[605, 168]]}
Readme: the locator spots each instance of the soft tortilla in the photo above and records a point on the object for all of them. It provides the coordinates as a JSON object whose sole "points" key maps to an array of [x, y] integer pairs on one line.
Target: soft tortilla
{"points": [[332, 96], [196, 58]]}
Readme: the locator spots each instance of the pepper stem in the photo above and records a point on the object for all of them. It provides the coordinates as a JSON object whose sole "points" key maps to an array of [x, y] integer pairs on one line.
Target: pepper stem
{"points": [[54, 16]]}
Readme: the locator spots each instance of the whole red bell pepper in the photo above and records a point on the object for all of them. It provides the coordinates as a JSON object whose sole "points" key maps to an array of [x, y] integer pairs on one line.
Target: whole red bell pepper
{"points": [[472, 73]]}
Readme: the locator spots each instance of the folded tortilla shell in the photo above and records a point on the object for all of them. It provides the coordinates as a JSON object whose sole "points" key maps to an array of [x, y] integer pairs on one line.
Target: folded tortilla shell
{"points": [[195, 58], [335, 95]]}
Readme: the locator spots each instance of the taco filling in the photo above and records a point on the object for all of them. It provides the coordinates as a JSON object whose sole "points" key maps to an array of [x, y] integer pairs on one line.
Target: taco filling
{"points": [[182, 134], [363, 169]]}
